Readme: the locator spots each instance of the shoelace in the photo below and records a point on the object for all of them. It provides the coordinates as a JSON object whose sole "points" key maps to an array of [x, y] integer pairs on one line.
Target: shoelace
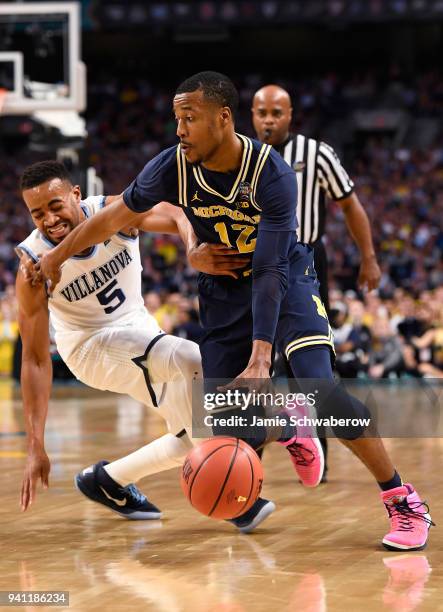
{"points": [[300, 455], [406, 512], [135, 495]]}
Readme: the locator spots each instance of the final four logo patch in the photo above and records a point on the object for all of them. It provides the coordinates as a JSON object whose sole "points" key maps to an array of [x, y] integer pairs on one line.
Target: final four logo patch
{"points": [[244, 195], [244, 190]]}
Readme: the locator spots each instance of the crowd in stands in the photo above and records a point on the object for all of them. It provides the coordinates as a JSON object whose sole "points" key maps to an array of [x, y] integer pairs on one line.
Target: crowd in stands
{"points": [[395, 337], [387, 338], [395, 331]]}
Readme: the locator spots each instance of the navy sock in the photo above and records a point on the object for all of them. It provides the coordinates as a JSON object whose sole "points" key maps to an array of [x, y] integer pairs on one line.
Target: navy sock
{"points": [[391, 484]]}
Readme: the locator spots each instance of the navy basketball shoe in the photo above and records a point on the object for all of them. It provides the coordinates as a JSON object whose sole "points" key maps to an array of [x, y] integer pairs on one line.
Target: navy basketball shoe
{"points": [[96, 484], [251, 519]]}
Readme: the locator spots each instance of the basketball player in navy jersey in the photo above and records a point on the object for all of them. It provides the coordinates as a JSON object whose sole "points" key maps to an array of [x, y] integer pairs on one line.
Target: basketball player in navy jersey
{"points": [[241, 193]]}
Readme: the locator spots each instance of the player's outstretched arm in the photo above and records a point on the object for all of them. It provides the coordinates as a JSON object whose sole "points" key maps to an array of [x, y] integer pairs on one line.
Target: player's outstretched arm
{"points": [[36, 377], [94, 230]]}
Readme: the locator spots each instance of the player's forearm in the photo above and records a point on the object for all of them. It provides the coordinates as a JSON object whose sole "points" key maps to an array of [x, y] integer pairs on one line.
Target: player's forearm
{"points": [[270, 278], [187, 234], [158, 224], [94, 230], [36, 380], [359, 227], [267, 294]]}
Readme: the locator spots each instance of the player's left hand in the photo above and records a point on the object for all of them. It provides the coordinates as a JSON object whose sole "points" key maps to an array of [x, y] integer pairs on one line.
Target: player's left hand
{"points": [[369, 274], [218, 259], [255, 378]]}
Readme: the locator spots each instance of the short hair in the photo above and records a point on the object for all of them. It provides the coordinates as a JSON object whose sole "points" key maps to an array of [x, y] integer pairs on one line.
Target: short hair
{"points": [[41, 172], [215, 86]]}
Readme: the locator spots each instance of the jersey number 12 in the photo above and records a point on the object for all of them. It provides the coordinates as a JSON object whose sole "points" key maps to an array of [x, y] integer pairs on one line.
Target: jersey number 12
{"points": [[243, 243]]}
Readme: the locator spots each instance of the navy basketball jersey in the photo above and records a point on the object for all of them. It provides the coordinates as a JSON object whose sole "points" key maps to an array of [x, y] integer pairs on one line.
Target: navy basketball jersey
{"points": [[223, 207], [251, 209]]}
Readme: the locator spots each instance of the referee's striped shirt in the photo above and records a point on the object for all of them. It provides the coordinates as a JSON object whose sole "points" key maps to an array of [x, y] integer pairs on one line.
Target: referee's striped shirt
{"points": [[320, 175]]}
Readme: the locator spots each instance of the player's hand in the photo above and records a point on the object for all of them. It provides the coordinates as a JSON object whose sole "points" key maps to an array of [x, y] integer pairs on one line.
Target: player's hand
{"points": [[37, 468], [26, 267], [217, 259], [49, 269], [255, 378], [369, 274]]}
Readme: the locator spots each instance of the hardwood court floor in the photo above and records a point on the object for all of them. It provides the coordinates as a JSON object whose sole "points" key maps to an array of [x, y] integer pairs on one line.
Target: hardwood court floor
{"points": [[319, 551]]}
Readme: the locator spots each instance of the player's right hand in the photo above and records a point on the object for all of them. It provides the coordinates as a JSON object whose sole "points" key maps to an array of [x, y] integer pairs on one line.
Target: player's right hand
{"points": [[37, 468], [217, 259], [26, 267], [49, 268]]}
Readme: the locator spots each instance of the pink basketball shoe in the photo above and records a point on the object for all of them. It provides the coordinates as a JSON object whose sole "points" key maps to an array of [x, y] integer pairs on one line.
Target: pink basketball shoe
{"points": [[307, 458], [304, 448], [410, 519]]}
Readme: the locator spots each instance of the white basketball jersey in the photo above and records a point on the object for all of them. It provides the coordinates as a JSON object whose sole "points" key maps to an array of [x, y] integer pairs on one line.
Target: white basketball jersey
{"points": [[96, 290]]}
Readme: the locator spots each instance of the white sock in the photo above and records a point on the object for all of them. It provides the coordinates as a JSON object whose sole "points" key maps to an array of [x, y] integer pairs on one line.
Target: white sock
{"points": [[162, 454]]}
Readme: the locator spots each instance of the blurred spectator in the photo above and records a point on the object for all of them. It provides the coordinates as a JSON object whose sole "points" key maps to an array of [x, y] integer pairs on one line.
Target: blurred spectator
{"points": [[385, 355], [351, 339], [432, 367], [8, 330], [188, 325]]}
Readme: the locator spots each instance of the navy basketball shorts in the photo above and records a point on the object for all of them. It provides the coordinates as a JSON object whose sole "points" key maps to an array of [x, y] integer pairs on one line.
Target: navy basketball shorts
{"points": [[226, 317], [303, 322]]}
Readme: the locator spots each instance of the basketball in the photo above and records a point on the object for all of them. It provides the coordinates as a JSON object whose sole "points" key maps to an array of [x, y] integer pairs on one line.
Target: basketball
{"points": [[222, 477]]}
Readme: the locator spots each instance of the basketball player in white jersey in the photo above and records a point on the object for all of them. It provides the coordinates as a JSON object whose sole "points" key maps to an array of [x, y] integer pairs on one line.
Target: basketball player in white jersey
{"points": [[106, 337]]}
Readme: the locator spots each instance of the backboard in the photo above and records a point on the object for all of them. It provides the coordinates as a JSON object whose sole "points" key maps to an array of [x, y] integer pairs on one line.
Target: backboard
{"points": [[40, 63]]}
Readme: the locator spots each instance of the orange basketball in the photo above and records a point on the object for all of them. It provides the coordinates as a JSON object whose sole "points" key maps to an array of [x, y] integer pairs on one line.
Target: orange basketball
{"points": [[222, 477]]}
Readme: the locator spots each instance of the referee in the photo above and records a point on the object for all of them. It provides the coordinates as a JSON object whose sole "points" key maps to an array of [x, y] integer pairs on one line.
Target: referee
{"points": [[320, 177]]}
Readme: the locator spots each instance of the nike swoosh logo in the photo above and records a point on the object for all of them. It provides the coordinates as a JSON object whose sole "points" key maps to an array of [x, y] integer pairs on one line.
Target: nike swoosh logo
{"points": [[119, 502]]}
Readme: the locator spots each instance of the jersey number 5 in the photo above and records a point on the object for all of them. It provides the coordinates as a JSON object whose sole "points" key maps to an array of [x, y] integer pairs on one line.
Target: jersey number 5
{"points": [[242, 244], [108, 295]]}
